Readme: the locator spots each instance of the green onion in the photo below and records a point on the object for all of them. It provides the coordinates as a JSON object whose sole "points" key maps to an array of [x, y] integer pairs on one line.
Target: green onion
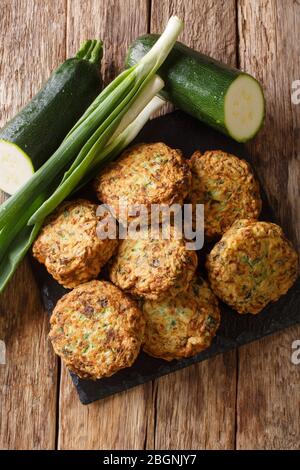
{"points": [[142, 72], [19, 247], [153, 87], [10, 232], [84, 161], [83, 136], [100, 98], [120, 142], [15, 241], [107, 126]]}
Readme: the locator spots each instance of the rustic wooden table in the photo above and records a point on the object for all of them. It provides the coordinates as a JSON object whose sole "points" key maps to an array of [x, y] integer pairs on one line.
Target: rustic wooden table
{"points": [[243, 399]]}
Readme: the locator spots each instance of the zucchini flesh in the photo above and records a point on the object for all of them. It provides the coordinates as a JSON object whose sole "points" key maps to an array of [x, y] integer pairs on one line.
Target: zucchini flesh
{"points": [[16, 167], [244, 108], [39, 128], [221, 96]]}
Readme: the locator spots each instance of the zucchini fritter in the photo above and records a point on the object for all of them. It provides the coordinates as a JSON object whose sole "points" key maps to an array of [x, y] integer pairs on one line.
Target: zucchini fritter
{"points": [[148, 267], [68, 244], [97, 330], [181, 326], [253, 264], [227, 187], [144, 174]]}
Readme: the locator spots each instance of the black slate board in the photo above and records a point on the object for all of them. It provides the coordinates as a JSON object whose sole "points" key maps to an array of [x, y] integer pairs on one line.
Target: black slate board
{"points": [[181, 131]]}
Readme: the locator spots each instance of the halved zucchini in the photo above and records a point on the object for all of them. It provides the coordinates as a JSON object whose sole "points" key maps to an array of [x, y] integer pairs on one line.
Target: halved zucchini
{"points": [[16, 167], [217, 94], [38, 129]]}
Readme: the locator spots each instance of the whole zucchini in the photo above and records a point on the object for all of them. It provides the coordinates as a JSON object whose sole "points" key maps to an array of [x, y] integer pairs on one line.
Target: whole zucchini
{"points": [[221, 96], [32, 136]]}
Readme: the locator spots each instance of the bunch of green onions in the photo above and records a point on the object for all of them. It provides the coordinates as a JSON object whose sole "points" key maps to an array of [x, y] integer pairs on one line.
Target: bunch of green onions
{"points": [[111, 122]]}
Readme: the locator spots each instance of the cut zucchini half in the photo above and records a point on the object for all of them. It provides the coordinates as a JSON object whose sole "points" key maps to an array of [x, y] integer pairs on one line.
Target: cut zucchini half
{"points": [[15, 167], [244, 108], [217, 94]]}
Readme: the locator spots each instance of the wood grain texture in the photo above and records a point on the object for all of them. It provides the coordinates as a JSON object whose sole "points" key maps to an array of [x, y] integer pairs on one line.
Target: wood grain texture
{"points": [[268, 399], [200, 413], [116, 22], [32, 38], [195, 407], [268, 383], [120, 421]]}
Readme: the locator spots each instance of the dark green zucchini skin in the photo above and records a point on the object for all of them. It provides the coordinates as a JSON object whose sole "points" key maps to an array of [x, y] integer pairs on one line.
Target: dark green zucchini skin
{"points": [[39, 128], [194, 82]]}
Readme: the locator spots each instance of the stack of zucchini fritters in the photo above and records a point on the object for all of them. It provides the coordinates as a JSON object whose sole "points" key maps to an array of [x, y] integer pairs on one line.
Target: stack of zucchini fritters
{"points": [[155, 297]]}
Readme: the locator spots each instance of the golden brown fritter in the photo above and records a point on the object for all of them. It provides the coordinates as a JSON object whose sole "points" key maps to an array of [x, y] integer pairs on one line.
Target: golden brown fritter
{"points": [[227, 187], [68, 244], [181, 326], [97, 330], [144, 174], [253, 264], [151, 266]]}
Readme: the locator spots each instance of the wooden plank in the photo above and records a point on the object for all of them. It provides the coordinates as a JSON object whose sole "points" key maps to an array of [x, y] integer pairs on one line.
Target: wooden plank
{"points": [[268, 386], [195, 408], [116, 22], [268, 404], [32, 36], [120, 422]]}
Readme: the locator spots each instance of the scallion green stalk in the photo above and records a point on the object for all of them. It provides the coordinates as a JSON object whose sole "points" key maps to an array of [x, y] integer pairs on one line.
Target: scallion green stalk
{"points": [[153, 87], [9, 232], [43, 178], [120, 142], [17, 250], [143, 73]]}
